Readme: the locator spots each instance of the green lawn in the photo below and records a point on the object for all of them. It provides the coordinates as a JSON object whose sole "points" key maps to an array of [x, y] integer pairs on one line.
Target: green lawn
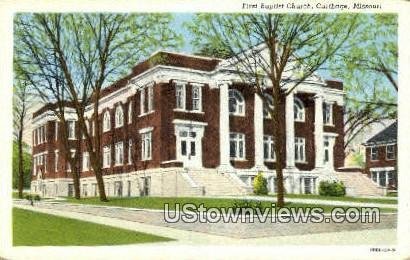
{"points": [[38, 229], [348, 199], [16, 195], [158, 203]]}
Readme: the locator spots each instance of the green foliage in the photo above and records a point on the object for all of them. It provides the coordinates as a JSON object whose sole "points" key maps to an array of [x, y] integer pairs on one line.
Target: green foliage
{"points": [[247, 204], [38, 229], [358, 159], [27, 165], [37, 197], [327, 188], [260, 185]]}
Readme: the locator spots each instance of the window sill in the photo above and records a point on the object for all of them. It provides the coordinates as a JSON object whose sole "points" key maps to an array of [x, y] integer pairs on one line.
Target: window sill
{"points": [[239, 115], [188, 111], [332, 125], [238, 160], [299, 120], [148, 159], [118, 126], [269, 161], [301, 162], [146, 113], [390, 159], [117, 165]]}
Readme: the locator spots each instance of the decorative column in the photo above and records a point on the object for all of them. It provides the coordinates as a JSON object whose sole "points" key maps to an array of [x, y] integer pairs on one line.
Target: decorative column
{"points": [[224, 161], [319, 154], [258, 132], [290, 131]]}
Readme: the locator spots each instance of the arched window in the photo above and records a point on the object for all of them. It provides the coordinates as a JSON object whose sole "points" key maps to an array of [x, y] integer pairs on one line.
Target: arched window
{"points": [[266, 105], [119, 116], [106, 121], [299, 110], [236, 103], [130, 112]]}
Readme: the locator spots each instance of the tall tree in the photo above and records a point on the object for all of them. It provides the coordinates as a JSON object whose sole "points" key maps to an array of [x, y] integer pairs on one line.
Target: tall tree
{"points": [[21, 103], [368, 67], [282, 50], [27, 165], [92, 50]]}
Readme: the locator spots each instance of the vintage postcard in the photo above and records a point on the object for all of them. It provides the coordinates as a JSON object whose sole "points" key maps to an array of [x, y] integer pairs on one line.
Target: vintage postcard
{"points": [[240, 129]]}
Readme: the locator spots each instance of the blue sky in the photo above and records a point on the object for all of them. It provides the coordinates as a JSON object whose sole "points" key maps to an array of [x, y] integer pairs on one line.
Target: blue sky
{"points": [[179, 19]]}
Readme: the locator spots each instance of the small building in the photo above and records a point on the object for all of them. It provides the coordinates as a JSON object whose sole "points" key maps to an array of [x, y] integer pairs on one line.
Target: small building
{"points": [[381, 158]]}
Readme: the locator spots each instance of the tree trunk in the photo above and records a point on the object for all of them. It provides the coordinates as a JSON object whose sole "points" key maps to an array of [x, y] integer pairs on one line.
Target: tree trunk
{"points": [[76, 181], [280, 149], [100, 183], [20, 163]]}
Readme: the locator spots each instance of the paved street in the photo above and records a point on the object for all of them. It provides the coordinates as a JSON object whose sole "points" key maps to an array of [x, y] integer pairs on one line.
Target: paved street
{"points": [[152, 221]]}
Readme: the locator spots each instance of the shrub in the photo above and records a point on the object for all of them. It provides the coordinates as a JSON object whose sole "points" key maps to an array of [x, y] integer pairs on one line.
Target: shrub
{"points": [[37, 198], [28, 197], [246, 204], [335, 188], [260, 185]]}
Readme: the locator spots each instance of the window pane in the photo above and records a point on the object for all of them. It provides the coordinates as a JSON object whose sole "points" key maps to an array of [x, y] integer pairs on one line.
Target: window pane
{"points": [[183, 147], [232, 149], [193, 148]]}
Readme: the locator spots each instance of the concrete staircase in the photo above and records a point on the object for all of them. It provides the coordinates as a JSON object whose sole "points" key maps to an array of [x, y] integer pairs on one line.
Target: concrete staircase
{"points": [[358, 184], [217, 184]]}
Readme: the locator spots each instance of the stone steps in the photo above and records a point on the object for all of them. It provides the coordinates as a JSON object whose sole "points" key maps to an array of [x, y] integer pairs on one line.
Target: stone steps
{"points": [[215, 184], [359, 184]]}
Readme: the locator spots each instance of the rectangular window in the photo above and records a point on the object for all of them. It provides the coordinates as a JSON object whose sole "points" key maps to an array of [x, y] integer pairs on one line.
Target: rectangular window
{"points": [[56, 130], [150, 98], [327, 113], [196, 98], [85, 190], [390, 152], [118, 188], [326, 147], [86, 161], [374, 154], [180, 96], [71, 129], [268, 148], [56, 161], [130, 151], [130, 112], [146, 146], [300, 155], [237, 146], [142, 101], [119, 153], [94, 189], [106, 157]]}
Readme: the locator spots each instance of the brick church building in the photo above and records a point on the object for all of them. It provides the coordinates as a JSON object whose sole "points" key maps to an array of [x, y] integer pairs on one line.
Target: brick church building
{"points": [[186, 125]]}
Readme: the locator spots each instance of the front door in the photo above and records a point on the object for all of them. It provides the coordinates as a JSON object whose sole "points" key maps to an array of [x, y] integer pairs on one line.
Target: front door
{"points": [[188, 145]]}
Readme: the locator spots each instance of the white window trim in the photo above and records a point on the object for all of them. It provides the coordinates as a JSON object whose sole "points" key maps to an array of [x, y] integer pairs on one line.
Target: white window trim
{"points": [[377, 153], [86, 160], [142, 102], [106, 121], [119, 114], [107, 149], [150, 107], [118, 149], [56, 130], [56, 155], [304, 149], [199, 87], [130, 151], [330, 123], [303, 108], [130, 112], [394, 152], [270, 142], [237, 139], [69, 129], [243, 103], [183, 86], [144, 151]]}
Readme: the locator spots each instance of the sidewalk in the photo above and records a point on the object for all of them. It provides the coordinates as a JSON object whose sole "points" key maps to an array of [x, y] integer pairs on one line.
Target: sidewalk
{"points": [[189, 237], [314, 201]]}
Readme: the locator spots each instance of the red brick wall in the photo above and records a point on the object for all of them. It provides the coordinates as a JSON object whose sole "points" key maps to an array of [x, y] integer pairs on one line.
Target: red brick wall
{"points": [[381, 160]]}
